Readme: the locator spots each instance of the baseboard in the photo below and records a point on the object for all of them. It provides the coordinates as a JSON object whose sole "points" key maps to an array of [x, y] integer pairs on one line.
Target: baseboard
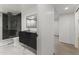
{"points": [[68, 44]]}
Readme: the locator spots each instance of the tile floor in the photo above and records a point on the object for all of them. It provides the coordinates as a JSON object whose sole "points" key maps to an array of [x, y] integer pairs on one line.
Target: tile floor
{"points": [[10, 49]]}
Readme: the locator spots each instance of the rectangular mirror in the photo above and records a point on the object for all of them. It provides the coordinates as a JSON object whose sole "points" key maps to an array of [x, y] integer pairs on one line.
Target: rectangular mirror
{"points": [[31, 21]]}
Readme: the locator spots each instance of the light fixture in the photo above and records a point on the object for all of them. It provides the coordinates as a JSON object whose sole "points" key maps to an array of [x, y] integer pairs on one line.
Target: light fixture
{"points": [[66, 8]]}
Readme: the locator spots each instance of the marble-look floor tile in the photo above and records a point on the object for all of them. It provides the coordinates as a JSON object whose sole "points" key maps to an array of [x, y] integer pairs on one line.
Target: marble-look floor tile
{"points": [[10, 49], [12, 46]]}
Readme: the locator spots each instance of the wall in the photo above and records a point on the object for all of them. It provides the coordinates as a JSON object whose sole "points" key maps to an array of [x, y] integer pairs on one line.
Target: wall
{"points": [[56, 30], [0, 26], [67, 28], [26, 12], [77, 29], [45, 26], [56, 23], [56, 26], [45, 41]]}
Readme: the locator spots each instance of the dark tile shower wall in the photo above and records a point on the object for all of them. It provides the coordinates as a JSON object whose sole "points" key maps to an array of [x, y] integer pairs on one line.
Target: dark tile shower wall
{"points": [[11, 25], [5, 26]]}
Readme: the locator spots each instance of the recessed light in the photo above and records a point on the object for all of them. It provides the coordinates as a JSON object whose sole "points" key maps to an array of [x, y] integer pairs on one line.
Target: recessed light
{"points": [[66, 8]]}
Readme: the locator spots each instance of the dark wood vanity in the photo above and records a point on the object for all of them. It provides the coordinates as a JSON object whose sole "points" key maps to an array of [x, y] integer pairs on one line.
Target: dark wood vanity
{"points": [[28, 38]]}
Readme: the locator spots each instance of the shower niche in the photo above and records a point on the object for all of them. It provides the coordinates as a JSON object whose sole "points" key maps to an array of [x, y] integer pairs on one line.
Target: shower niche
{"points": [[11, 25]]}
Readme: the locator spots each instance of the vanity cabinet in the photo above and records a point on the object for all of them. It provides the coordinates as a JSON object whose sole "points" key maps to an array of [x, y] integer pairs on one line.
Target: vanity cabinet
{"points": [[28, 38]]}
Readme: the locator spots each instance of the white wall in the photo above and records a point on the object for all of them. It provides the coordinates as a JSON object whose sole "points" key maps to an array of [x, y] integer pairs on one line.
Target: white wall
{"points": [[56, 30], [56, 26], [26, 12], [77, 29], [45, 44], [0, 26], [67, 28], [45, 41], [56, 23]]}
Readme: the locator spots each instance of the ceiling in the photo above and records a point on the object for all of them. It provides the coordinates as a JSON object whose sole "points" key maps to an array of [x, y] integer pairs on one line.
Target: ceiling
{"points": [[14, 8], [60, 8], [17, 8]]}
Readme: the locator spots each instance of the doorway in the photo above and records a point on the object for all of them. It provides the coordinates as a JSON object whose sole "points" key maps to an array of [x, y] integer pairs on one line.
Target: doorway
{"points": [[11, 25]]}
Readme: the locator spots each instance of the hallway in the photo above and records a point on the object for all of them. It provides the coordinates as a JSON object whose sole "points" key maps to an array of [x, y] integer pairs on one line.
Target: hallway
{"points": [[66, 49]]}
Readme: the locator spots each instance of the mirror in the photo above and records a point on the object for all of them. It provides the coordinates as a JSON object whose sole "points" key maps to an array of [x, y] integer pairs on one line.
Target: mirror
{"points": [[31, 21]]}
